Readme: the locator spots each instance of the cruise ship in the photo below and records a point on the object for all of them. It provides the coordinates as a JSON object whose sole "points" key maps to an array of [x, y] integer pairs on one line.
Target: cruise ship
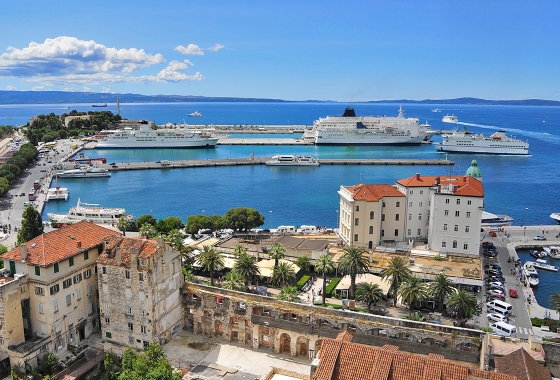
{"points": [[350, 129], [497, 143], [147, 138], [92, 213]]}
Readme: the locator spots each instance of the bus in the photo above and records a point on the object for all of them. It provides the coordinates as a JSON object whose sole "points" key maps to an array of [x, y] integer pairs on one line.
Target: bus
{"points": [[32, 195]]}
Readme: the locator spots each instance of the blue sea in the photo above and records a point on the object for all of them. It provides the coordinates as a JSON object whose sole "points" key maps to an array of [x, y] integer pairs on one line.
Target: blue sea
{"points": [[296, 196]]}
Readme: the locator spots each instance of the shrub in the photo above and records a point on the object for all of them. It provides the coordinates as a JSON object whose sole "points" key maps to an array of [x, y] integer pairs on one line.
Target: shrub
{"points": [[538, 322], [302, 281], [332, 286]]}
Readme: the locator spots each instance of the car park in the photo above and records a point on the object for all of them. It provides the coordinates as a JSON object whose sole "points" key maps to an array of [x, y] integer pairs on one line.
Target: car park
{"points": [[539, 237], [495, 317], [513, 293]]}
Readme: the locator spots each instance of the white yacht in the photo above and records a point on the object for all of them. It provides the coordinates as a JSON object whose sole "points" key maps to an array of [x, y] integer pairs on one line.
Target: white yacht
{"points": [[555, 216], [493, 220], [290, 160], [57, 192], [552, 251], [450, 119], [92, 213], [148, 138], [497, 143], [542, 264], [84, 173], [436, 110], [530, 273], [195, 114], [350, 129]]}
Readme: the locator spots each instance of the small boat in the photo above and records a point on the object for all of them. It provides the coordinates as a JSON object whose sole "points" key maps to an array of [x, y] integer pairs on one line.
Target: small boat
{"points": [[290, 160], [530, 273], [536, 254], [450, 119], [436, 110], [57, 193], [195, 114], [552, 252], [99, 105], [542, 264], [556, 216], [92, 213]]}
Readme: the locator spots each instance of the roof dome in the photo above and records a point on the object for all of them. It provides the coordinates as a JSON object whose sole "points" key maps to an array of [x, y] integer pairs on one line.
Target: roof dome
{"points": [[474, 171]]}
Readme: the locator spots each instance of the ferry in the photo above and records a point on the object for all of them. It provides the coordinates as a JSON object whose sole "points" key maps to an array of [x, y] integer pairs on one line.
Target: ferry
{"points": [[92, 213], [289, 160], [497, 143], [542, 264], [99, 105], [148, 138], [195, 114], [57, 192], [84, 173], [530, 273], [493, 220], [450, 119], [552, 252], [350, 129]]}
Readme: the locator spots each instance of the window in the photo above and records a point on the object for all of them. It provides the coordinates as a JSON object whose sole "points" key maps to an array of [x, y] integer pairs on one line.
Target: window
{"points": [[357, 208], [90, 308], [411, 192], [96, 269], [55, 306], [130, 326], [105, 288], [87, 273], [454, 243], [142, 261], [447, 200], [456, 228], [78, 294], [443, 244], [56, 268], [419, 216], [107, 321], [469, 203], [398, 204], [446, 212], [356, 221], [396, 232], [23, 288], [129, 310], [77, 278], [370, 230], [409, 216], [107, 334], [371, 214], [409, 204], [466, 228], [143, 329], [382, 217], [419, 232], [397, 217], [419, 204], [68, 299], [54, 289], [409, 232], [370, 245], [458, 201], [70, 319], [67, 283], [383, 204], [80, 314], [86, 255], [142, 313], [88, 290], [445, 227], [41, 308], [127, 274], [457, 213], [105, 305], [468, 214], [465, 246], [104, 270], [140, 276], [421, 191], [356, 237], [39, 291], [71, 261], [128, 292], [382, 232], [37, 270]]}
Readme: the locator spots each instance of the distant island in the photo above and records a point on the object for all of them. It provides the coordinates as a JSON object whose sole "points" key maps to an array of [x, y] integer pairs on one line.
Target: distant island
{"points": [[63, 97]]}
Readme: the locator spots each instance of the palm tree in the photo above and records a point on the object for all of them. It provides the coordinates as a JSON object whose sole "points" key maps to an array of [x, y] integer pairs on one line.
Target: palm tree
{"points": [[462, 303], [210, 259], [412, 291], [304, 263], [554, 301], [397, 272], [276, 252], [283, 274], [288, 293], [354, 262], [147, 230], [441, 287], [233, 281], [369, 293], [123, 224], [176, 239], [416, 316], [187, 255], [246, 266], [238, 250], [324, 265], [487, 329]]}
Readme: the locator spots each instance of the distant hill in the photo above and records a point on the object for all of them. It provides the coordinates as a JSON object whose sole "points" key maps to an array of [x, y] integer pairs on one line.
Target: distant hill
{"points": [[62, 97]]}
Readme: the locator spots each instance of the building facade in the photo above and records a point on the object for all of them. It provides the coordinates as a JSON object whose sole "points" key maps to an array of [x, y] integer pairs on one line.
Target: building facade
{"points": [[139, 291]]}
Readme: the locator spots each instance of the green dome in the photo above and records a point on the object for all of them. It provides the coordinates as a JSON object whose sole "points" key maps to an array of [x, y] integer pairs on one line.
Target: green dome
{"points": [[474, 171]]}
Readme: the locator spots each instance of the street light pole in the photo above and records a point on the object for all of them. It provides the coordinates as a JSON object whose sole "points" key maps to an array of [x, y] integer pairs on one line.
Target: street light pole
{"points": [[270, 219], [525, 226]]}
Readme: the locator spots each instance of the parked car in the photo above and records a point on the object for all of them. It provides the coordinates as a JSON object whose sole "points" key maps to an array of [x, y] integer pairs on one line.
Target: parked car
{"points": [[487, 244], [490, 253], [513, 293], [498, 287], [540, 237], [496, 297], [493, 233], [492, 266], [496, 283], [495, 291], [495, 317]]}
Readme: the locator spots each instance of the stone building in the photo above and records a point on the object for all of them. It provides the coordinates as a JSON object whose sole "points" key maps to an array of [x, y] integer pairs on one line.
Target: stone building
{"points": [[139, 291], [50, 301]]}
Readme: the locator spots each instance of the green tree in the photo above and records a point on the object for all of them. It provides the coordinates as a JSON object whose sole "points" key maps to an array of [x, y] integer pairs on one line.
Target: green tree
{"points": [[110, 363], [149, 365], [554, 301], [187, 255], [283, 274], [31, 225], [441, 287], [147, 230], [369, 293], [288, 293], [304, 263], [397, 271], [188, 275], [416, 316], [239, 250], [233, 281], [354, 262], [462, 303], [412, 291], [210, 260], [145, 219], [324, 265], [243, 219], [246, 266], [175, 238], [168, 224], [123, 224], [276, 252]]}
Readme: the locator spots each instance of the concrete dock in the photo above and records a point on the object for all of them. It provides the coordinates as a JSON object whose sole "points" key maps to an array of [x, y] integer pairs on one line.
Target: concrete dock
{"points": [[263, 141]]}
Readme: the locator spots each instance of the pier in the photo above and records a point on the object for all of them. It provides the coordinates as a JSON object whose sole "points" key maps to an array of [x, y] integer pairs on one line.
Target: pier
{"points": [[262, 161], [263, 141]]}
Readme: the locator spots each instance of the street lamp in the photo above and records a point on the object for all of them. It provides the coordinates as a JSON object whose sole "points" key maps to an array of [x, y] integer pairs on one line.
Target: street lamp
{"points": [[525, 226], [270, 219]]}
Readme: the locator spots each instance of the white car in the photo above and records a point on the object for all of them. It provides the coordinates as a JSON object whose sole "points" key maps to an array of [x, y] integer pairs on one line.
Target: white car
{"points": [[495, 291], [540, 237], [495, 317], [496, 283]]}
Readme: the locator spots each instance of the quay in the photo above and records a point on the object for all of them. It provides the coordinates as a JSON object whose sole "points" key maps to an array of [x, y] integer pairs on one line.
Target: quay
{"points": [[262, 161], [263, 141]]}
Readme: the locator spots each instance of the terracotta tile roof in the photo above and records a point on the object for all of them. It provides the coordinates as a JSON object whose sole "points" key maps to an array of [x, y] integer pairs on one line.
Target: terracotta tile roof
{"points": [[373, 193], [341, 359], [521, 364], [467, 186], [55, 246], [144, 247]]}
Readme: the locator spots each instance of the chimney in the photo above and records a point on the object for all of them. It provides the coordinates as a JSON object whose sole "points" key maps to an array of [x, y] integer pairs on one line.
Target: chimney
{"points": [[118, 255], [23, 250], [464, 178], [133, 257], [418, 176], [79, 244], [437, 180]]}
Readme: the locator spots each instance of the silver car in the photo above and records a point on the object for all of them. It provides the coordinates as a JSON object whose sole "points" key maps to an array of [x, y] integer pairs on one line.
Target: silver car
{"points": [[497, 317]]}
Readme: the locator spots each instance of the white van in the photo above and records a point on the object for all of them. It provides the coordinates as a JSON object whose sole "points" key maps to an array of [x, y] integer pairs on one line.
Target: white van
{"points": [[165, 162], [502, 328], [308, 230], [499, 307]]}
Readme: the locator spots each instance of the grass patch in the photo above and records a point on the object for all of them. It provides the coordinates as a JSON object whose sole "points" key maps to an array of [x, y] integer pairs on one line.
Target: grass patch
{"points": [[332, 286], [302, 281]]}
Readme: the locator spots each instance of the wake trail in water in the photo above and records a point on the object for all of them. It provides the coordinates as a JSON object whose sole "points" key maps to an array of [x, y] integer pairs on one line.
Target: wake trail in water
{"points": [[545, 136]]}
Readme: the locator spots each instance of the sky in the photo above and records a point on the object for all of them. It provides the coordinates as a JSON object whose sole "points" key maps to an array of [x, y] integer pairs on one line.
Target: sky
{"points": [[289, 49]]}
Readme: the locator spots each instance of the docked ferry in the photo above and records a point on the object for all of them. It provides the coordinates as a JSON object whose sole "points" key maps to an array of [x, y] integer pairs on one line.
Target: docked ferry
{"points": [[497, 143], [92, 213], [350, 129], [148, 138]]}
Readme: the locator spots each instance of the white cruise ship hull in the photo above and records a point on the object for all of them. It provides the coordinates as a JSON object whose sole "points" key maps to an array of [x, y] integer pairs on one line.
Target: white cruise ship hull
{"points": [[482, 149], [83, 175], [364, 138], [157, 143]]}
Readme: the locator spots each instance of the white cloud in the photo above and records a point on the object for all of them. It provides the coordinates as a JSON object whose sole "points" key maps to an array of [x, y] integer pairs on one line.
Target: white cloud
{"points": [[86, 89], [38, 88], [69, 61], [216, 47], [10, 88], [191, 49], [68, 89], [106, 90]]}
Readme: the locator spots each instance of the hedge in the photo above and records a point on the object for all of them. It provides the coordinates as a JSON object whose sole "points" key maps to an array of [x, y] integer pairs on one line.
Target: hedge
{"points": [[302, 281], [332, 286]]}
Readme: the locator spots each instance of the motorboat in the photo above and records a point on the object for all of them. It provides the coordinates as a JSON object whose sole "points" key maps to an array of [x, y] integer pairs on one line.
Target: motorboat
{"points": [[84, 173], [530, 273], [542, 264], [537, 255], [195, 114], [556, 216], [436, 110], [291, 160], [552, 251], [450, 119], [492, 220], [92, 213], [57, 192]]}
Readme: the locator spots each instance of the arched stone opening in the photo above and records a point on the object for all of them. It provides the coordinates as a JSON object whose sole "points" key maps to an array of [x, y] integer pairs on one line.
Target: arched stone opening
{"points": [[285, 344]]}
